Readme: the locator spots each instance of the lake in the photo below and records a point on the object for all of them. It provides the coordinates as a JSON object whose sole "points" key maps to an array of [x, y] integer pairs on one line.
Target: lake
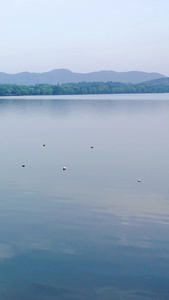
{"points": [[99, 229]]}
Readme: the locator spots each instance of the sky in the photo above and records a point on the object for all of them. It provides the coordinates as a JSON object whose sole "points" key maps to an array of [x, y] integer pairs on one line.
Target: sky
{"points": [[84, 36]]}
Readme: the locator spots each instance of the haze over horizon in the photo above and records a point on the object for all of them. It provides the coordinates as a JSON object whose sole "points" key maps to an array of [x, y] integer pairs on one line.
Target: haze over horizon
{"points": [[42, 35]]}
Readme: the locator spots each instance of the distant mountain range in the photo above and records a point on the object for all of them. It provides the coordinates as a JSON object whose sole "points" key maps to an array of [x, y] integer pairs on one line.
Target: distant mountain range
{"points": [[66, 76]]}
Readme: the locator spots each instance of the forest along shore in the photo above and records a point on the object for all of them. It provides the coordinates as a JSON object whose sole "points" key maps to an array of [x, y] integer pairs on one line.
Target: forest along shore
{"points": [[84, 88]]}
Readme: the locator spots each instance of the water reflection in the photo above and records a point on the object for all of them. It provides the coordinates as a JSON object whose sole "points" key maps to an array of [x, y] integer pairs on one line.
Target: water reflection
{"points": [[92, 231]]}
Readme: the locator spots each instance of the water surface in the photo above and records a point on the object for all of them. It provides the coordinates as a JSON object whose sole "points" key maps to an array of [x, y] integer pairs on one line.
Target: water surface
{"points": [[92, 231]]}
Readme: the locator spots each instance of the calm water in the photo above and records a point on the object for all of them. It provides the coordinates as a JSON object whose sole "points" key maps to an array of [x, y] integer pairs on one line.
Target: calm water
{"points": [[91, 232]]}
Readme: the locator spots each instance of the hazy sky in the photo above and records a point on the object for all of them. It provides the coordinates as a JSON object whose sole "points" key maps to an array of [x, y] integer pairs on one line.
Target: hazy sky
{"points": [[84, 36]]}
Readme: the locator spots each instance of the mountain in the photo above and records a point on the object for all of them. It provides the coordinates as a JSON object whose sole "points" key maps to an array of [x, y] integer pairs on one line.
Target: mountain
{"points": [[160, 81], [66, 76]]}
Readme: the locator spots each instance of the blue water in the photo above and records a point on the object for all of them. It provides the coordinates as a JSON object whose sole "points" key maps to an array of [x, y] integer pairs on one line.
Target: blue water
{"points": [[91, 231]]}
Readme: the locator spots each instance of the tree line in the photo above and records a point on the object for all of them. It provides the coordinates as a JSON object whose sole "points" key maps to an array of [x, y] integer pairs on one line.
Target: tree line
{"points": [[81, 88]]}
